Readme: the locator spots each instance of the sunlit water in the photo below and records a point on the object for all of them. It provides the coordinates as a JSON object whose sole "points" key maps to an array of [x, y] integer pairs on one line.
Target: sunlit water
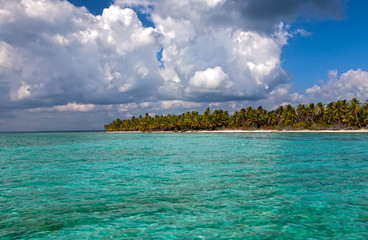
{"points": [[184, 186]]}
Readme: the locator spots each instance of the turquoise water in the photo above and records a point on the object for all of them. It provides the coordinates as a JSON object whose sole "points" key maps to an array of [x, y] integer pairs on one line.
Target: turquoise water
{"points": [[184, 186]]}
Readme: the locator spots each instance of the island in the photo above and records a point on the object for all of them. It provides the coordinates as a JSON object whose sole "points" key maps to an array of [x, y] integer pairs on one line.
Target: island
{"points": [[338, 115]]}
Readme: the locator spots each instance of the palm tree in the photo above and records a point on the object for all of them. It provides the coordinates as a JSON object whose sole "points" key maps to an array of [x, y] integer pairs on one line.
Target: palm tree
{"points": [[271, 118], [311, 112], [243, 116], [355, 109], [289, 116], [341, 112], [338, 110], [253, 118], [234, 120], [279, 111], [321, 111], [348, 119], [302, 112]]}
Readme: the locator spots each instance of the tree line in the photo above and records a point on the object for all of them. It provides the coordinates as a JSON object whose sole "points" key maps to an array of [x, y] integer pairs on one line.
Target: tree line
{"points": [[340, 114]]}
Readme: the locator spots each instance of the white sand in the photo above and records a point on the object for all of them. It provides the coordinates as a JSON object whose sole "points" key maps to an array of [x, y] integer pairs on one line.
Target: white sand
{"points": [[256, 131], [280, 131]]}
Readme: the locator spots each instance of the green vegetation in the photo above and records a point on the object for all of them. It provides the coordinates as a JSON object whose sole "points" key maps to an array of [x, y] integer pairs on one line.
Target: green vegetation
{"points": [[341, 114]]}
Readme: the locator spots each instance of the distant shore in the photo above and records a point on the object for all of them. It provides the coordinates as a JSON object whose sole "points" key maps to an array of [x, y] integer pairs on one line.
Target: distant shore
{"points": [[254, 131], [339, 116]]}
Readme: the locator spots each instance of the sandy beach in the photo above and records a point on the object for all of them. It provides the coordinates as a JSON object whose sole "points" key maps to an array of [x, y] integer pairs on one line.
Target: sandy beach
{"points": [[307, 131], [254, 131]]}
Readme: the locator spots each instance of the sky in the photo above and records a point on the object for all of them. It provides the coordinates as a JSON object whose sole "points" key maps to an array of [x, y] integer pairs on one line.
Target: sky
{"points": [[79, 64]]}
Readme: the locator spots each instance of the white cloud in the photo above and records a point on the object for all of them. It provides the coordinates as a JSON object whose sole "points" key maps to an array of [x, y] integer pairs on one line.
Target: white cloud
{"points": [[313, 90], [5, 15], [135, 106], [351, 84], [209, 80], [213, 3], [75, 107], [70, 107], [66, 54], [281, 95], [5, 55], [55, 56], [126, 107], [23, 91], [193, 42], [169, 74], [178, 104], [41, 9]]}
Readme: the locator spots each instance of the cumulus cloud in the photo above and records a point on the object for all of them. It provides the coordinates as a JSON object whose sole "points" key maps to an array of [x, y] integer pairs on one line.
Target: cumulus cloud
{"points": [[212, 79], [53, 53], [193, 43], [351, 84], [59, 57]]}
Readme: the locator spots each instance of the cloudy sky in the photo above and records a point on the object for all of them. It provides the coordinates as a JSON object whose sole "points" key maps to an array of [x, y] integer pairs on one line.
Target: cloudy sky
{"points": [[76, 65]]}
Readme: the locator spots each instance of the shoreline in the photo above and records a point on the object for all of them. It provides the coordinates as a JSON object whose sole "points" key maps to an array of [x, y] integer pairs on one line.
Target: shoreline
{"points": [[252, 131]]}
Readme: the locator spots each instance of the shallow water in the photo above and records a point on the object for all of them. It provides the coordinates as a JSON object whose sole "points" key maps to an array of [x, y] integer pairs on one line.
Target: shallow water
{"points": [[184, 186]]}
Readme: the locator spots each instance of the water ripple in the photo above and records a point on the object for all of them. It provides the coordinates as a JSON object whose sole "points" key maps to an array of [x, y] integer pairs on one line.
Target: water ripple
{"points": [[184, 186]]}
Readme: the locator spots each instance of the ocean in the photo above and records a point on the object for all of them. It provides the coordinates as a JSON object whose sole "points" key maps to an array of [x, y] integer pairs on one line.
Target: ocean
{"points": [[184, 186]]}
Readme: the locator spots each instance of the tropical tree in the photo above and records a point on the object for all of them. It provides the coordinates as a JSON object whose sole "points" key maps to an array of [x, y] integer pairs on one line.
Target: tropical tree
{"points": [[321, 111], [355, 109], [340, 113]]}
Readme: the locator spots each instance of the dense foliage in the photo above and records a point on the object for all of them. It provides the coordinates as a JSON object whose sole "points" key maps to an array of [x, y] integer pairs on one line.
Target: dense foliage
{"points": [[335, 115]]}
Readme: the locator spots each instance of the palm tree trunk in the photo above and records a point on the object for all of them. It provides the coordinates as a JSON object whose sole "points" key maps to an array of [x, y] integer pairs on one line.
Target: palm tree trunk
{"points": [[356, 117]]}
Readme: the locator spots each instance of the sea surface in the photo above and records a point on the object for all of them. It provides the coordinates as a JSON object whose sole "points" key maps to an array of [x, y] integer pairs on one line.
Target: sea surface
{"points": [[184, 186]]}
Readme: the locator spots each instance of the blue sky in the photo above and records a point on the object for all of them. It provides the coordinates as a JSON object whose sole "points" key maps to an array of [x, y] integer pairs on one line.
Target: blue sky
{"points": [[65, 67], [95, 7], [334, 44]]}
